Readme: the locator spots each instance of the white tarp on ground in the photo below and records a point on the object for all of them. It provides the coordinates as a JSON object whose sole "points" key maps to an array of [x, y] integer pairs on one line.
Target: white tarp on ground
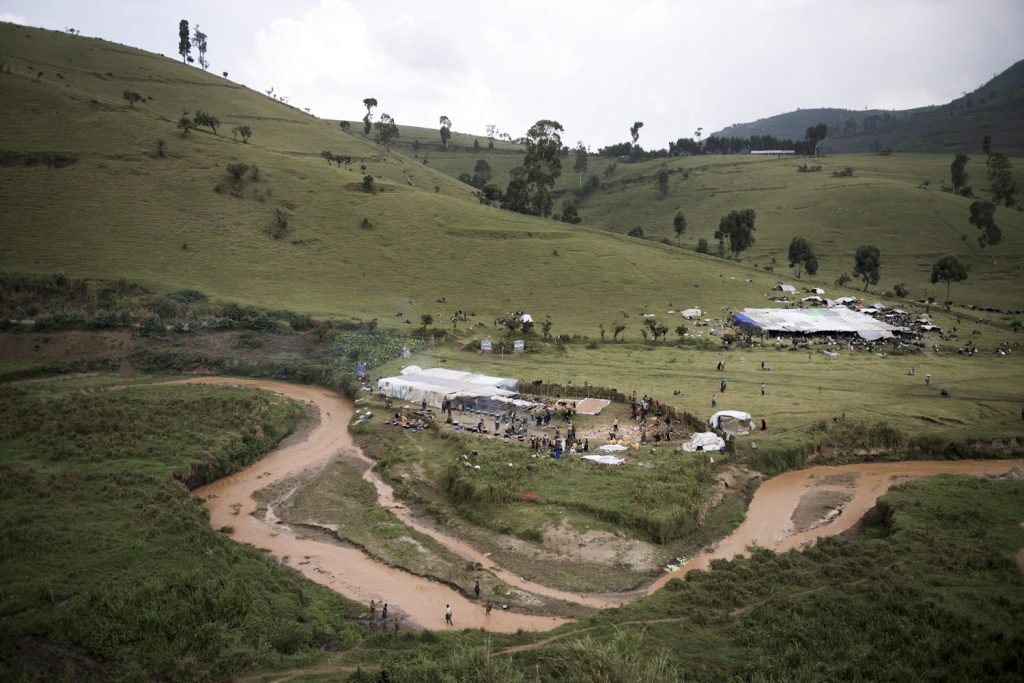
{"points": [[785, 288], [691, 313], [436, 384], [704, 441], [812, 320], [732, 421], [613, 447], [604, 459]]}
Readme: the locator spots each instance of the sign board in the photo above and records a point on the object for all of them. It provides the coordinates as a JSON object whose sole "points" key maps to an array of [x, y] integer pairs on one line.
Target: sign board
{"points": [[518, 345], [485, 345]]}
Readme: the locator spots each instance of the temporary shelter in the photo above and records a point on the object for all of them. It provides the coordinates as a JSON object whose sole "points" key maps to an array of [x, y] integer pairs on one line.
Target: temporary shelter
{"points": [[789, 289], [733, 422], [478, 392], [813, 321], [704, 441], [691, 313]]}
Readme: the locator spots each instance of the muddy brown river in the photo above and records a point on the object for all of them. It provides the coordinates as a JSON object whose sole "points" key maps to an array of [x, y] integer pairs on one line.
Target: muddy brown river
{"points": [[422, 601]]}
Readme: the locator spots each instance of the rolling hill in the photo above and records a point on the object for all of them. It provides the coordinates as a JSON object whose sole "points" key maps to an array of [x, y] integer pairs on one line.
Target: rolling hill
{"points": [[996, 108], [93, 186]]}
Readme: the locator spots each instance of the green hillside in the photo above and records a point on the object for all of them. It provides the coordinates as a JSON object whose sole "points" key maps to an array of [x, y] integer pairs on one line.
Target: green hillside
{"points": [[996, 108], [883, 203], [120, 209]]}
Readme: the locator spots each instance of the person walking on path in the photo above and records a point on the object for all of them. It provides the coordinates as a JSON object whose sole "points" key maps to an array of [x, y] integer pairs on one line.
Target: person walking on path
{"points": [[764, 425], [714, 400], [384, 613], [476, 588], [487, 608], [763, 387], [373, 609], [724, 384], [448, 615], [615, 426]]}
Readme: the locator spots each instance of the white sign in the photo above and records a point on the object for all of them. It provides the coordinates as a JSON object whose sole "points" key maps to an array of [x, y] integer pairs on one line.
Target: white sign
{"points": [[485, 345], [518, 345]]}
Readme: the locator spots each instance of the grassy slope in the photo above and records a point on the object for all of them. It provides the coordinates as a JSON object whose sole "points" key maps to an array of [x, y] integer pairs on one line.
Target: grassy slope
{"points": [[880, 205], [109, 566], [122, 211]]}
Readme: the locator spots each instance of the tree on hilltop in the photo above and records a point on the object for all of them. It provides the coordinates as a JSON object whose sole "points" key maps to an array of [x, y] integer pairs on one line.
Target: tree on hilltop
{"points": [[387, 129], [529, 190], [581, 160], [184, 44], [801, 254], [369, 103], [867, 263], [949, 269], [738, 226], [983, 217], [199, 41], [446, 131], [634, 133]]}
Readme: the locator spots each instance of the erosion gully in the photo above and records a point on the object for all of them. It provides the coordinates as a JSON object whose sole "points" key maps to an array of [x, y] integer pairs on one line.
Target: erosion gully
{"points": [[421, 601]]}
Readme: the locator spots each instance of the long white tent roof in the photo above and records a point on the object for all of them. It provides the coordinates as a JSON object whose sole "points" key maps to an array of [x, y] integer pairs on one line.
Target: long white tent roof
{"points": [[436, 384], [814, 320]]}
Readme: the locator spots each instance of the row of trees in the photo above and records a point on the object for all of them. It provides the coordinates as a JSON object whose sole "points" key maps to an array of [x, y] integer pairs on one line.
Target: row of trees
{"points": [[187, 42], [715, 145]]}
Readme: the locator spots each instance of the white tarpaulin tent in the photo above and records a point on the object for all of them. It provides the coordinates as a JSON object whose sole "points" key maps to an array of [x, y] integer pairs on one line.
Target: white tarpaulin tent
{"points": [[704, 441], [785, 288], [436, 384], [691, 313], [732, 422], [813, 320]]}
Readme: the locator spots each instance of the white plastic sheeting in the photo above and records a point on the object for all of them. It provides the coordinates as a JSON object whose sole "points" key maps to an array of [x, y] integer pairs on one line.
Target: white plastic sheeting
{"points": [[436, 384], [691, 313], [613, 448], [704, 441], [785, 288], [732, 422], [813, 320], [603, 459]]}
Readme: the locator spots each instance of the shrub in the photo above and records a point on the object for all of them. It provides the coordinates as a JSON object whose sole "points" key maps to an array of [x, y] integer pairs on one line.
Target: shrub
{"points": [[368, 183], [702, 246], [279, 225]]}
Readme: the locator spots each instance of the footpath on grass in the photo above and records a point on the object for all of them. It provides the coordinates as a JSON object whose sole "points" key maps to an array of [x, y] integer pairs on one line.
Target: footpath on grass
{"points": [[779, 519]]}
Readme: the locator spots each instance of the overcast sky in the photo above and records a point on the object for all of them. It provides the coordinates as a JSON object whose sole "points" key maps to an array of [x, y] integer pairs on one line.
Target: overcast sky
{"points": [[596, 66]]}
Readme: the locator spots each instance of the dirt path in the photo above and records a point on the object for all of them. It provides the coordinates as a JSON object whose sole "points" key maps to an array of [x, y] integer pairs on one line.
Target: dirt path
{"points": [[346, 570]]}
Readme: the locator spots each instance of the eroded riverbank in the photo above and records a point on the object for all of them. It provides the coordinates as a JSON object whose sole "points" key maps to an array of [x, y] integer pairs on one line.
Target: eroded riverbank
{"points": [[770, 521]]}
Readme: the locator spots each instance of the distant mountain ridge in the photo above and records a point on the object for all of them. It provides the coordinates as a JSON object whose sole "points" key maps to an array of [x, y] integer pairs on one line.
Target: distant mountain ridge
{"points": [[996, 109]]}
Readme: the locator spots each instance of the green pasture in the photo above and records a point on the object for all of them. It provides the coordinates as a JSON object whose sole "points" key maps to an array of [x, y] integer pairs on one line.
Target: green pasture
{"points": [[122, 210], [110, 568], [804, 389]]}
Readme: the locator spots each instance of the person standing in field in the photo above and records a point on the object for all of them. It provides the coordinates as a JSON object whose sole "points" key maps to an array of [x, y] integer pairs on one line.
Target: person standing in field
{"points": [[763, 387], [714, 400], [476, 588], [448, 615], [384, 613]]}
